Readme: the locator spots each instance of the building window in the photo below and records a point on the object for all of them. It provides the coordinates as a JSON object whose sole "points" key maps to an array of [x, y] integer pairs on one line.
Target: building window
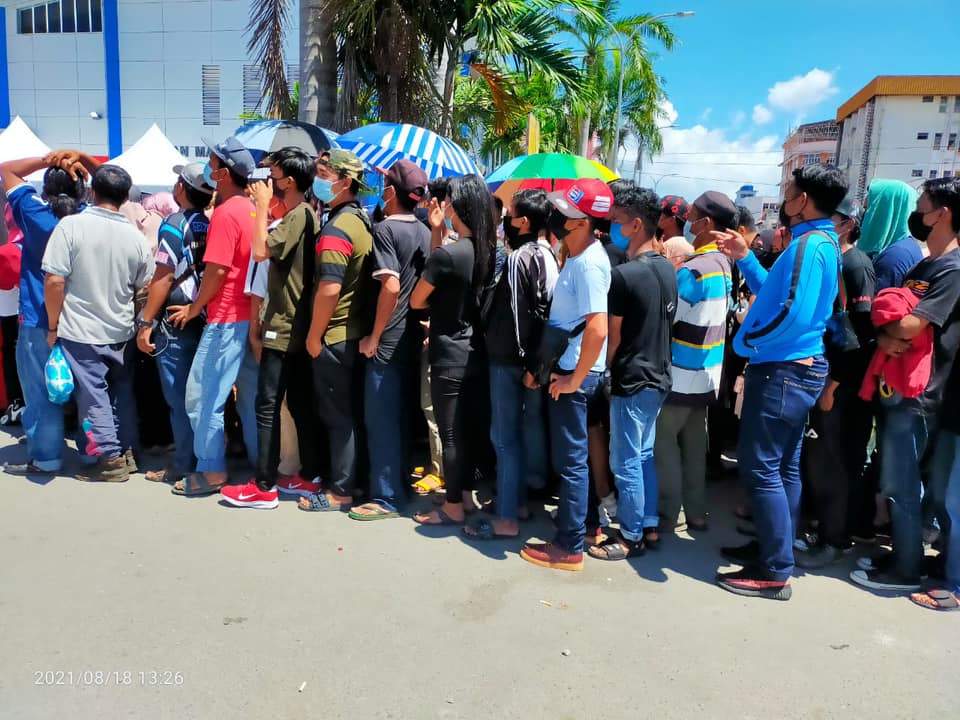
{"points": [[922, 136], [943, 103], [811, 159], [210, 83], [933, 174], [948, 173], [916, 173], [252, 90], [951, 141], [928, 98], [956, 104], [61, 16], [937, 141]]}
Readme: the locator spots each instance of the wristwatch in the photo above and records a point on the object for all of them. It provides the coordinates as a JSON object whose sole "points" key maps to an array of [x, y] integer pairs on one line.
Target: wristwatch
{"points": [[144, 324]]}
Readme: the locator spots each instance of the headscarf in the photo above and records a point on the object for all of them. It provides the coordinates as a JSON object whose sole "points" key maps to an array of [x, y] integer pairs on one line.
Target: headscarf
{"points": [[677, 249], [889, 204]]}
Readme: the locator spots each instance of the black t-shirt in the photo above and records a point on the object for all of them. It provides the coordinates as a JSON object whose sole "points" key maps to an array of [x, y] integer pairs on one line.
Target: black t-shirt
{"points": [[859, 280], [644, 293], [400, 248], [453, 304], [615, 254], [936, 281]]}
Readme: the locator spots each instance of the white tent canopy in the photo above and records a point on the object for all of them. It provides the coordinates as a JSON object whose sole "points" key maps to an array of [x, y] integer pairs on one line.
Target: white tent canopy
{"points": [[150, 161], [19, 141]]}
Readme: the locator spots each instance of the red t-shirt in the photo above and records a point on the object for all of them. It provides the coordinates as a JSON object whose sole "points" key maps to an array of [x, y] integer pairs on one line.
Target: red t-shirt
{"points": [[228, 243]]}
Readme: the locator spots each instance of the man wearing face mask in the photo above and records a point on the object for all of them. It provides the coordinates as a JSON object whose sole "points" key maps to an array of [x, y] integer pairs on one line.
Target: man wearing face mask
{"points": [[340, 317], [287, 246], [782, 338], [910, 424], [704, 286], [579, 307]]}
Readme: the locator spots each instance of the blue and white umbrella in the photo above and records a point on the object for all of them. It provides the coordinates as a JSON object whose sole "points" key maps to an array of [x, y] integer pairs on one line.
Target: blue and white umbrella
{"points": [[382, 144]]}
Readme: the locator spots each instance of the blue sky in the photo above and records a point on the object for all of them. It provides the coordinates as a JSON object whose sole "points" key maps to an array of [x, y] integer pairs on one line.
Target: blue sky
{"points": [[745, 71]]}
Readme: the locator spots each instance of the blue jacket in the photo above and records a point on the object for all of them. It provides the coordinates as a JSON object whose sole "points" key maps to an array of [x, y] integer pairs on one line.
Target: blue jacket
{"points": [[794, 299]]}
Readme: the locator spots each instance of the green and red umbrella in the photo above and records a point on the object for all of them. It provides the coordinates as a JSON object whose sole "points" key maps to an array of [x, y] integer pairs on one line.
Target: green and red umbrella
{"points": [[548, 171]]}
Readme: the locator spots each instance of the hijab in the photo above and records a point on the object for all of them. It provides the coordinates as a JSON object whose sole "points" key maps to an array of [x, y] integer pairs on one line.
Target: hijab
{"points": [[889, 204]]}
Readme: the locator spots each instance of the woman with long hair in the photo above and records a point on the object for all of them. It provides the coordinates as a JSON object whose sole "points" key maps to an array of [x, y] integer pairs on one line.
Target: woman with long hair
{"points": [[454, 284]]}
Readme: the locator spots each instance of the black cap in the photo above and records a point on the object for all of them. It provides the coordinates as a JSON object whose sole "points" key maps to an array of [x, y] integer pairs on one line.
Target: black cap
{"points": [[408, 179], [718, 206], [234, 155]]}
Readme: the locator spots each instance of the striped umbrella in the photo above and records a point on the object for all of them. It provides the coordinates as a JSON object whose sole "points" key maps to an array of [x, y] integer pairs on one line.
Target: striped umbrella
{"points": [[382, 144], [262, 137]]}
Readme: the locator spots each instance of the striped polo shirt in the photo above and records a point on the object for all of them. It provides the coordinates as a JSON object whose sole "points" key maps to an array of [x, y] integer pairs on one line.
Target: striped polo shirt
{"points": [[700, 326]]}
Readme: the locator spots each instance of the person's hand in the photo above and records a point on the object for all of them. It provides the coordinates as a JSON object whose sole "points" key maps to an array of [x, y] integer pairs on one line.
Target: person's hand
{"points": [[260, 193], [51, 338], [256, 347], [369, 345], [892, 345], [180, 315], [730, 243], [314, 346], [825, 403], [435, 214], [562, 385], [68, 160], [529, 381], [143, 340]]}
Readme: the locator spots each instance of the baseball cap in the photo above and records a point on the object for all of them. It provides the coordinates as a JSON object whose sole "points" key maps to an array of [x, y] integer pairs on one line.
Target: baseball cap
{"points": [[234, 155], [718, 206], [587, 197], [408, 179], [346, 163], [674, 206], [192, 175], [848, 208]]}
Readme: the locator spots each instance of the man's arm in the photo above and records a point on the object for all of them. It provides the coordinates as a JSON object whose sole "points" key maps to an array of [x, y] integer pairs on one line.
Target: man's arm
{"points": [[594, 335], [254, 334], [13, 172], [54, 290], [157, 295], [420, 297], [214, 276], [613, 343], [260, 193], [386, 304], [324, 303]]}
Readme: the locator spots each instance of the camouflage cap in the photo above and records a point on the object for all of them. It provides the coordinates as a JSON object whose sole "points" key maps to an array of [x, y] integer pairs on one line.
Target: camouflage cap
{"points": [[345, 163]]}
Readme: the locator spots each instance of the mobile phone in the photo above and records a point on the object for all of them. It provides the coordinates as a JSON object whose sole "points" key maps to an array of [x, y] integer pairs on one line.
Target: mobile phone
{"points": [[260, 174]]}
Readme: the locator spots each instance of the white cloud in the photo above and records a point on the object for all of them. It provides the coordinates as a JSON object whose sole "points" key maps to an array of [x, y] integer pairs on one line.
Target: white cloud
{"points": [[803, 92], [737, 119], [761, 115], [700, 158], [705, 115]]}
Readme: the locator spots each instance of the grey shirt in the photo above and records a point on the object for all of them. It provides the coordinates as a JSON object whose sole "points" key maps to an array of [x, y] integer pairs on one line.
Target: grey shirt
{"points": [[105, 260]]}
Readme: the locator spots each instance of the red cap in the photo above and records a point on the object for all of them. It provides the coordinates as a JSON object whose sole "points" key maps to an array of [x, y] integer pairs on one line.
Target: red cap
{"points": [[588, 196]]}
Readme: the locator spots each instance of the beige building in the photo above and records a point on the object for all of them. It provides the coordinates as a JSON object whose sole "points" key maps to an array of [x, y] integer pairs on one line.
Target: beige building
{"points": [[809, 144]]}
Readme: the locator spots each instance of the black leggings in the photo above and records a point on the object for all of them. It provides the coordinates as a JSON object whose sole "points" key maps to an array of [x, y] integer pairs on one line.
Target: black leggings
{"points": [[460, 402], [284, 375], [10, 327]]}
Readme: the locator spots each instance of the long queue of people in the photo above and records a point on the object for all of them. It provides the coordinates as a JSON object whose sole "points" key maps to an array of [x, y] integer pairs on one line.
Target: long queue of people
{"points": [[598, 338]]}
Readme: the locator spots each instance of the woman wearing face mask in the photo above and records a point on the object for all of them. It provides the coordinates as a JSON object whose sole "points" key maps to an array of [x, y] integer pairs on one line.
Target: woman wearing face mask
{"points": [[454, 285], [885, 235]]}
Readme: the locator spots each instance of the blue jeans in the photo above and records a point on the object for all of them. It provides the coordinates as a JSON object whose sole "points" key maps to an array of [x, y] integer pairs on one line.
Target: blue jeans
{"points": [[777, 398], [906, 435], [215, 367], [173, 367], [386, 388], [519, 437], [945, 485], [633, 431], [568, 450], [247, 382]]}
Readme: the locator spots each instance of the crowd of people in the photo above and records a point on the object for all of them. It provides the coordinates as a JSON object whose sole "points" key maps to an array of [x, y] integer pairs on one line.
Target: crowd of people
{"points": [[596, 344]]}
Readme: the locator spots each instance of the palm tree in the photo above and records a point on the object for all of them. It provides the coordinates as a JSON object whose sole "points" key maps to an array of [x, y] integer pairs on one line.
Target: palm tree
{"points": [[318, 63], [266, 31]]}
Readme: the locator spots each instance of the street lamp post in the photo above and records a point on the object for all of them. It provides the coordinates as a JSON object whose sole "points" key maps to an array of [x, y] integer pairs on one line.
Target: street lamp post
{"points": [[623, 68]]}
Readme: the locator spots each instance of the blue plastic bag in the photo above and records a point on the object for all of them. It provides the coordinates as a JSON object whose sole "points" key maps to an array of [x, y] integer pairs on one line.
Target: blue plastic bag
{"points": [[58, 376]]}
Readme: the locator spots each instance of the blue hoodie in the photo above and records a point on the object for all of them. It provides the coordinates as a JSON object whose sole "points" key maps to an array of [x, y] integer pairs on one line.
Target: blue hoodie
{"points": [[794, 299]]}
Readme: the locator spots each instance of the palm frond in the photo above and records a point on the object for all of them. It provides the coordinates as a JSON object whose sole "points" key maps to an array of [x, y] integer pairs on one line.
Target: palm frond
{"points": [[266, 31]]}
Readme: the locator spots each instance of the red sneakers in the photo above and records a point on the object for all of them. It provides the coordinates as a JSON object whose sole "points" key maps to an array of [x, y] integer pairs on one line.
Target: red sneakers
{"points": [[753, 582], [551, 556], [296, 485], [250, 496]]}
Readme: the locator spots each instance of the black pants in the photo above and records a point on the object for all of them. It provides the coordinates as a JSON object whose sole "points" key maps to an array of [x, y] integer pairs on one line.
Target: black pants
{"points": [[153, 414], [284, 375], [460, 395], [835, 453], [338, 392], [10, 329]]}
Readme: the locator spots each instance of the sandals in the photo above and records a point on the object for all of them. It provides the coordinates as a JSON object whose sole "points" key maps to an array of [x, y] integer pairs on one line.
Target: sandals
{"points": [[940, 600], [428, 484], [377, 510], [443, 517], [195, 485], [483, 530], [616, 549], [163, 476], [651, 538]]}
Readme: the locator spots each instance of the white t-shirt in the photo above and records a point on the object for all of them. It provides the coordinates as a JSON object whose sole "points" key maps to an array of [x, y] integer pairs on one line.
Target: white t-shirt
{"points": [[256, 282]]}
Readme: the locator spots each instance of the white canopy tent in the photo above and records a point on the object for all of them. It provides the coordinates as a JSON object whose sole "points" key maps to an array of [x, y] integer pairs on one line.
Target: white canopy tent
{"points": [[18, 141], [150, 161]]}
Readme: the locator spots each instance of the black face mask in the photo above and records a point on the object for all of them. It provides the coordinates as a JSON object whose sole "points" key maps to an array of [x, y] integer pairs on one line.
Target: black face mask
{"points": [[556, 224], [510, 231], [916, 226]]}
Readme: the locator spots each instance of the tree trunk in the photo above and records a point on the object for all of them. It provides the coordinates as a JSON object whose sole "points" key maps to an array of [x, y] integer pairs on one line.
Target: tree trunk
{"points": [[585, 136], [318, 64], [451, 64]]}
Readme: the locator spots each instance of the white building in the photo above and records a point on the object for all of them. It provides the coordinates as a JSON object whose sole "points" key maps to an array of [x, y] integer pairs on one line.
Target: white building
{"points": [[96, 74], [764, 208], [901, 127]]}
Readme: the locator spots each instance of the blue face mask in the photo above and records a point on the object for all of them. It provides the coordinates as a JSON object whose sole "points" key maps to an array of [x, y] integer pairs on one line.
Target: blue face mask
{"points": [[617, 237], [208, 176], [688, 232], [323, 190]]}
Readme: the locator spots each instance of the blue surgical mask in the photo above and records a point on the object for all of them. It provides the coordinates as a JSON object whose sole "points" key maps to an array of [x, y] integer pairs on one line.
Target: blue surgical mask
{"points": [[688, 232], [617, 237], [208, 176], [323, 190]]}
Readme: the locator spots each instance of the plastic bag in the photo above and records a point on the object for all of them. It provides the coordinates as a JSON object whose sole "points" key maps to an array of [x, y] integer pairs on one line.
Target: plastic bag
{"points": [[58, 376]]}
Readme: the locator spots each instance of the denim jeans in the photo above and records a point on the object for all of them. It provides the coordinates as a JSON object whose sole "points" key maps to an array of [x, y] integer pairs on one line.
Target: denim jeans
{"points": [[777, 399], [633, 432], [42, 420], [945, 488], [568, 450], [216, 365], [247, 382], [519, 435], [173, 367], [906, 435], [386, 414]]}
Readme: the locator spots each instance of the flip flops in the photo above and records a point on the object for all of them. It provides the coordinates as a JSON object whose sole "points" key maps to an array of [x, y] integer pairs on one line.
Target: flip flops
{"points": [[444, 519], [428, 484], [195, 485], [380, 510], [940, 600], [616, 549], [483, 530]]}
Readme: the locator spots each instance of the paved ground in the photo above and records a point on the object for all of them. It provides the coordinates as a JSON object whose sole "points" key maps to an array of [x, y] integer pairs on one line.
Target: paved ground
{"points": [[229, 613]]}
